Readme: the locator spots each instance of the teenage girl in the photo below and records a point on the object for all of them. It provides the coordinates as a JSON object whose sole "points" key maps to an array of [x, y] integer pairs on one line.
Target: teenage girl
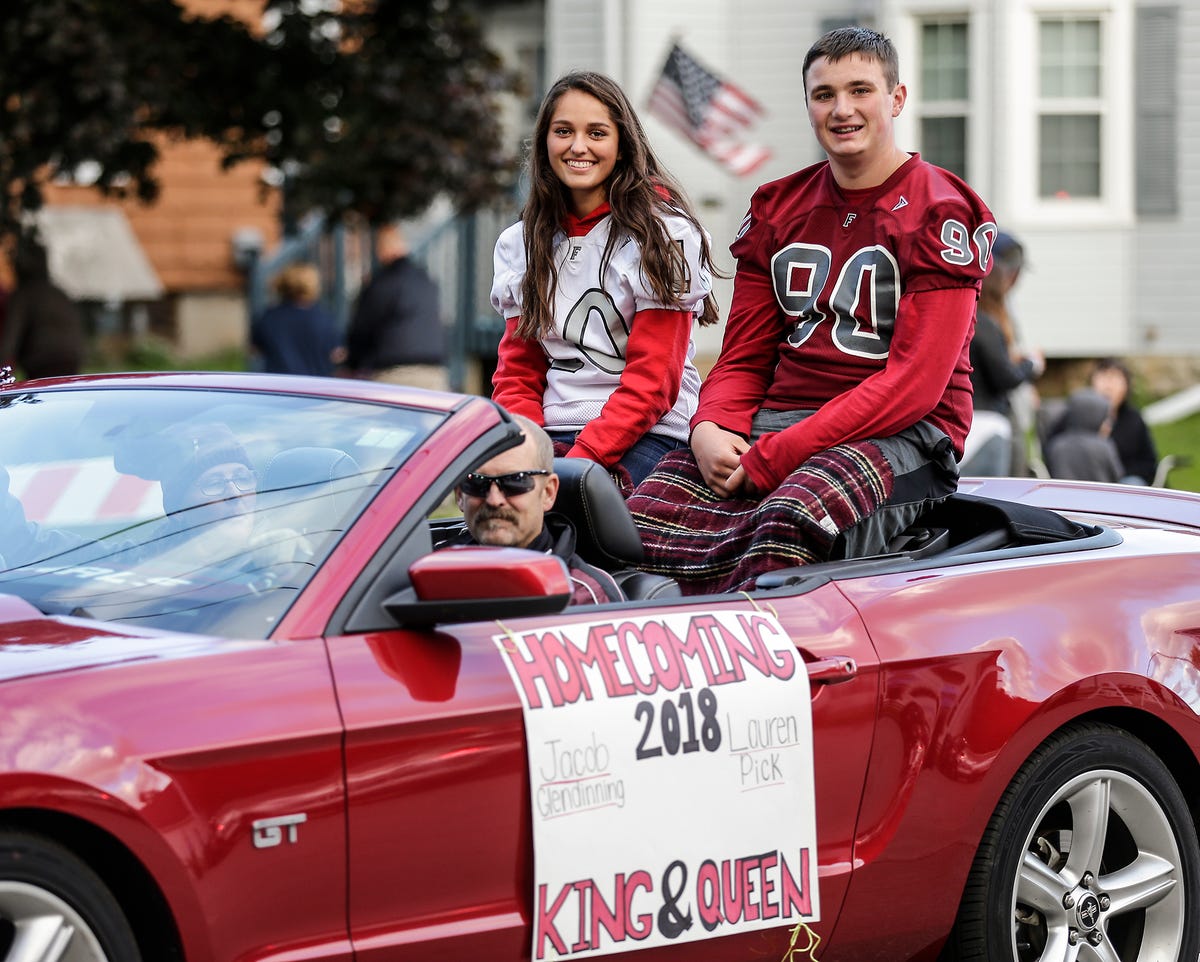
{"points": [[599, 284]]}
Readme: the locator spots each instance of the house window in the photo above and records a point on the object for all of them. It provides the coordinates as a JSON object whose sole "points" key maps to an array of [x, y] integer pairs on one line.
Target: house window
{"points": [[1071, 108], [945, 88]]}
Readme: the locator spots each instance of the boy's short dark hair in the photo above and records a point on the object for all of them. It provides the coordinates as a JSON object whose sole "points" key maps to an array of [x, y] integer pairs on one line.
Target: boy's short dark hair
{"points": [[844, 41]]}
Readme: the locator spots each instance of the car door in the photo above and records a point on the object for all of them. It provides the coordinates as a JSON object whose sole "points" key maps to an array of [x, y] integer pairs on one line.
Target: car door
{"points": [[438, 793]]}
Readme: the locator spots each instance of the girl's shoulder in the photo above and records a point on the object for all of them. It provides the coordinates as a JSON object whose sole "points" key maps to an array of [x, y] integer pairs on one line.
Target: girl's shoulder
{"points": [[513, 233], [510, 247]]}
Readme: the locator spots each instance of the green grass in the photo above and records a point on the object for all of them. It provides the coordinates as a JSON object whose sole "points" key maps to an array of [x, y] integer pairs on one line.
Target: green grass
{"points": [[155, 354], [1182, 439]]}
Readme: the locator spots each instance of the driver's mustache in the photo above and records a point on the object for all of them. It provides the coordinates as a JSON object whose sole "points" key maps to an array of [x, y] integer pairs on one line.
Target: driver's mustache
{"points": [[502, 514]]}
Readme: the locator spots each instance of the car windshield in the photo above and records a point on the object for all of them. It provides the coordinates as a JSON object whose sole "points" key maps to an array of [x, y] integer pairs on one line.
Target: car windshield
{"points": [[201, 511]]}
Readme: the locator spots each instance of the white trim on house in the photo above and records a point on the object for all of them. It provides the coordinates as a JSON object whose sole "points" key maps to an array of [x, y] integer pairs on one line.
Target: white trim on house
{"points": [[1114, 208]]}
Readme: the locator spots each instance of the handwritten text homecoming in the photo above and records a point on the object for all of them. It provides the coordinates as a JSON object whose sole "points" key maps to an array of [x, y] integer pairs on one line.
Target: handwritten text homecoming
{"points": [[628, 658]]}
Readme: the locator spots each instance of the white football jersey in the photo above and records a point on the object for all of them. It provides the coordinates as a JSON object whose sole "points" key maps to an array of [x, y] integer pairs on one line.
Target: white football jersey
{"points": [[593, 310]]}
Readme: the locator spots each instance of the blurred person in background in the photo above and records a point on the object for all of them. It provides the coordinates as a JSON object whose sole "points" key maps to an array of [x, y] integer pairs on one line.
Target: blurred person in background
{"points": [[1135, 445], [996, 443], [44, 333], [297, 335], [1082, 449], [396, 333], [1024, 397]]}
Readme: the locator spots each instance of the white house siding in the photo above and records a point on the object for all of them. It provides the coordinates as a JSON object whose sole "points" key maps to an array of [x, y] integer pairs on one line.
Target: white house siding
{"points": [[517, 33], [1073, 299], [577, 36], [1165, 313], [1102, 280]]}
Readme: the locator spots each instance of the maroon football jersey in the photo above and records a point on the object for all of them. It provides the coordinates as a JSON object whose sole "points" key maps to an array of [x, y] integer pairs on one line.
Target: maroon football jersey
{"points": [[836, 292]]}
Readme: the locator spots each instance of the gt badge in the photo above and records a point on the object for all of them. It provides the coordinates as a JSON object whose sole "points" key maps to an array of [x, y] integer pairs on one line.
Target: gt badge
{"points": [[268, 832]]}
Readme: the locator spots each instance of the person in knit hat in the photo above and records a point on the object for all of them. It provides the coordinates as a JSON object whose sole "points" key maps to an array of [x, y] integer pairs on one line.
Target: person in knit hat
{"points": [[210, 499], [207, 466], [209, 491], [208, 485]]}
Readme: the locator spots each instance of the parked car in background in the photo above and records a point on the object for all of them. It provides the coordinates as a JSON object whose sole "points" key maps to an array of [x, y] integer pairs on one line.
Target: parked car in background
{"points": [[248, 711]]}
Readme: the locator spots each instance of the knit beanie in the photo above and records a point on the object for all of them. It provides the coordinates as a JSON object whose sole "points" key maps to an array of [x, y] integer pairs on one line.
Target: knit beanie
{"points": [[195, 451]]}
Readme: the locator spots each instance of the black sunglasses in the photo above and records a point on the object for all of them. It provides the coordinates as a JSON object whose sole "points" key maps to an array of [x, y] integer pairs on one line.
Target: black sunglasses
{"points": [[480, 485]]}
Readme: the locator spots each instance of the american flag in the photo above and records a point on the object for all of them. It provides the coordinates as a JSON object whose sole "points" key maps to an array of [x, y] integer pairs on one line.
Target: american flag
{"points": [[709, 111]]}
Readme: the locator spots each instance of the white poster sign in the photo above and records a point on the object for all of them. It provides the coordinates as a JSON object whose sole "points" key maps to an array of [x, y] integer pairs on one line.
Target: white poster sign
{"points": [[671, 773]]}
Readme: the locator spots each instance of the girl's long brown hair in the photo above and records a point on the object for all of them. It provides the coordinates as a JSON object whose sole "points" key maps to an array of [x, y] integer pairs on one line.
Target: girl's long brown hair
{"points": [[633, 194]]}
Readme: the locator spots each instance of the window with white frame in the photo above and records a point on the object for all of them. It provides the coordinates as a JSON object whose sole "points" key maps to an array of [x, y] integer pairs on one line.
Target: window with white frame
{"points": [[1070, 106], [945, 92]]}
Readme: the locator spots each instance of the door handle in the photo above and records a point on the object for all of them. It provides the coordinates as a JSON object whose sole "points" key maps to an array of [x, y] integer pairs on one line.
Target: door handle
{"points": [[831, 671]]}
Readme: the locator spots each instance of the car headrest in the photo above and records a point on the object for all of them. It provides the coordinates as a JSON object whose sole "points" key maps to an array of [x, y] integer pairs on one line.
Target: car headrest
{"points": [[606, 535], [300, 467], [318, 481]]}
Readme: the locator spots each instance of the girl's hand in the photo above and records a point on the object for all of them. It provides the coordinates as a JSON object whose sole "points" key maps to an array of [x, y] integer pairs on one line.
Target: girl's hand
{"points": [[718, 454]]}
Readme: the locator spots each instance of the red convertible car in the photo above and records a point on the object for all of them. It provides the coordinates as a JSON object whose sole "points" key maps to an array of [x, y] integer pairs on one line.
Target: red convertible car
{"points": [[257, 716]]}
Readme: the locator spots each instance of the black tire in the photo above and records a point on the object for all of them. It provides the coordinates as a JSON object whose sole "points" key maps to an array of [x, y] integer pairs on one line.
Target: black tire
{"points": [[1093, 800], [53, 906]]}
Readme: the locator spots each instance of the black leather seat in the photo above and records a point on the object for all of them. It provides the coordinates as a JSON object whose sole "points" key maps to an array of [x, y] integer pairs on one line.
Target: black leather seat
{"points": [[606, 535]]}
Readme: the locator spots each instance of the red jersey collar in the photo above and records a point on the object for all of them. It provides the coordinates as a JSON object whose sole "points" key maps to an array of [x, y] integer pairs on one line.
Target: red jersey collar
{"points": [[578, 226]]}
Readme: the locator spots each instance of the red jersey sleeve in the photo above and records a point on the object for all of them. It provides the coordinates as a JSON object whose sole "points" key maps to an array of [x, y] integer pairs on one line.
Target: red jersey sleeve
{"points": [[734, 389], [655, 356], [519, 382]]}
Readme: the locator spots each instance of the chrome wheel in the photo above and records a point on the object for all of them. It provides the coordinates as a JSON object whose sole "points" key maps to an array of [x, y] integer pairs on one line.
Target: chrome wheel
{"points": [[54, 908], [1091, 855], [41, 927], [1101, 876]]}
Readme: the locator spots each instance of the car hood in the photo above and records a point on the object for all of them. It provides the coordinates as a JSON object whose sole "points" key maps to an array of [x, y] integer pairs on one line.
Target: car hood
{"points": [[34, 644]]}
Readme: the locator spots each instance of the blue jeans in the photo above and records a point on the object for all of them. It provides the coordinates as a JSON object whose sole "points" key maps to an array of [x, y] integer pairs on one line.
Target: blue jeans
{"points": [[640, 459]]}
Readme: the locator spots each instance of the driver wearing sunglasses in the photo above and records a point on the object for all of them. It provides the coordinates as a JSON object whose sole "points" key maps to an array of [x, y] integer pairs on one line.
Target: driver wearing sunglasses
{"points": [[506, 503]]}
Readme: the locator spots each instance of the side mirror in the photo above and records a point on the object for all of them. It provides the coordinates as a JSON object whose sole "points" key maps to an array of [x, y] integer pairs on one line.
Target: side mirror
{"points": [[471, 583]]}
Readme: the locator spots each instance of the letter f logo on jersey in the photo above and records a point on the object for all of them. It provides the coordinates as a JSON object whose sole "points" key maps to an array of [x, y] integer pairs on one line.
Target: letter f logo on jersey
{"points": [[849, 220]]}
